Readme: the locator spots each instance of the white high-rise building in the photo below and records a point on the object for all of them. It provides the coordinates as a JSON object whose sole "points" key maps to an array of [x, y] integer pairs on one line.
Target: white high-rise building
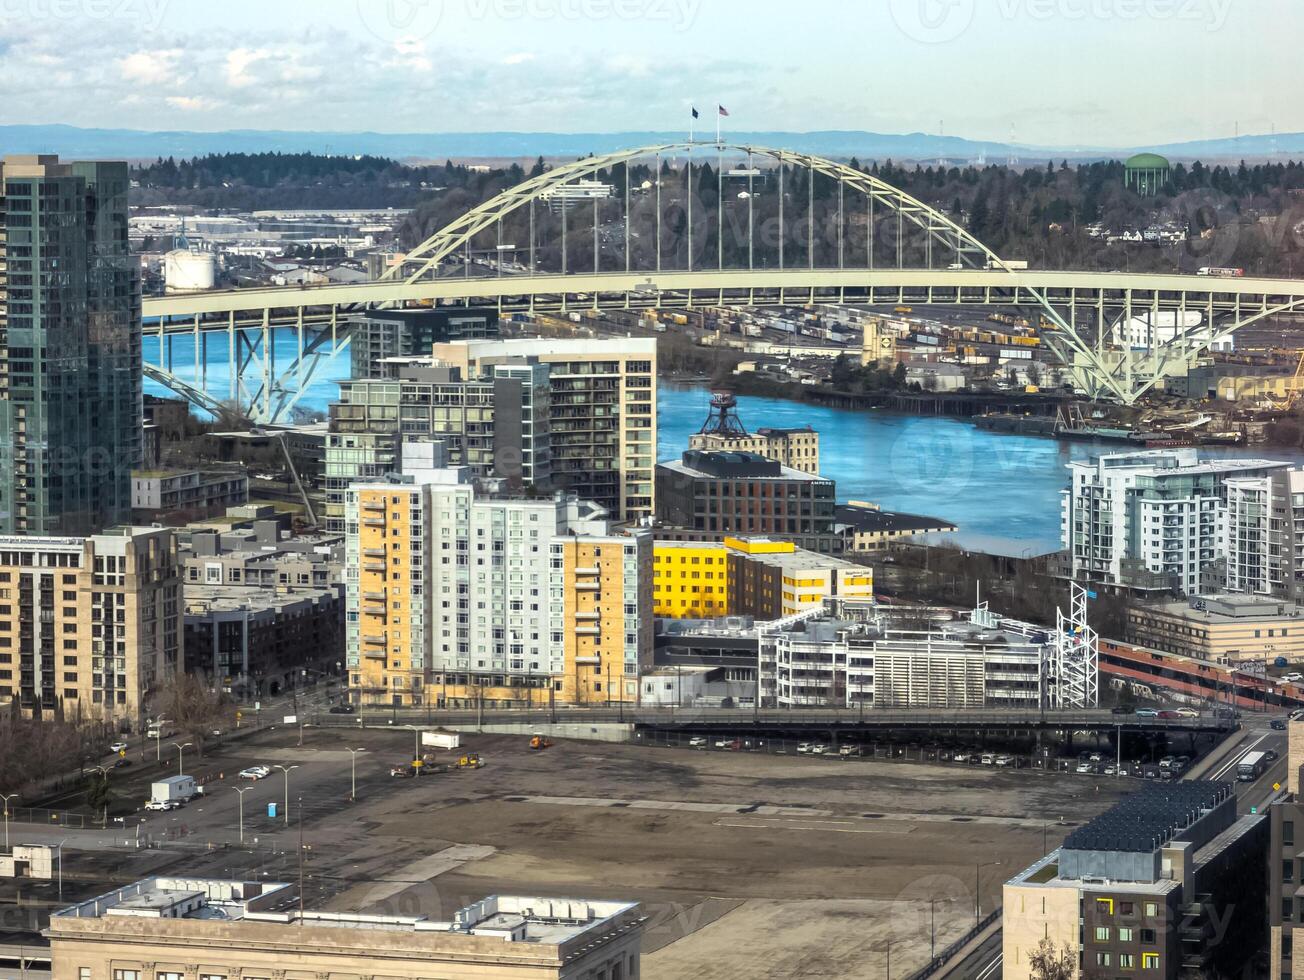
{"points": [[1264, 535], [1151, 519]]}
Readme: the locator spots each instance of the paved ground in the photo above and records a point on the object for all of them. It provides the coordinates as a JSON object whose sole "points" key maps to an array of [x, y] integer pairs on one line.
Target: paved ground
{"points": [[748, 865]]}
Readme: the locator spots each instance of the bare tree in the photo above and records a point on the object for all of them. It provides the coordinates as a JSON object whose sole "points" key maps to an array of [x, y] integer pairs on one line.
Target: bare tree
{"points": [[190, 706], [1047, 963]]}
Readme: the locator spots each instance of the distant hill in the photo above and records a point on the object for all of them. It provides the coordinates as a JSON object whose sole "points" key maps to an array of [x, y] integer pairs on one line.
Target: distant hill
{"points": [[73, 141]]}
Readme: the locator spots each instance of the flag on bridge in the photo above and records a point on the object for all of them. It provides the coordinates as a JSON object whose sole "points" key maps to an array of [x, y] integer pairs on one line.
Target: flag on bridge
{"points": [[696, 114], [723, 110]]}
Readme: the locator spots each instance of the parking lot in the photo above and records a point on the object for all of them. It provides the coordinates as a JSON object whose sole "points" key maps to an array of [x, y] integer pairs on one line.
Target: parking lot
{"points": [[748, 863]]}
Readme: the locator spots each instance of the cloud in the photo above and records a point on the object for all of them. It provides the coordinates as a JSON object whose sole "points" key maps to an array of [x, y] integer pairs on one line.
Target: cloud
{"points": [[518, 58], [149, 67], [190, 103], [238, 63]]}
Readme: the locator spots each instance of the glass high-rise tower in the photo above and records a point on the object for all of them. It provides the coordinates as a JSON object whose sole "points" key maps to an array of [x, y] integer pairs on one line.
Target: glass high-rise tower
{"points": [[70, 368]]}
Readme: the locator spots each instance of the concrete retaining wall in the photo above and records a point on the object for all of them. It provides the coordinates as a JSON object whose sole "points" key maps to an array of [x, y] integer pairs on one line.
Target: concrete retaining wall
{"points": [[591, 733]]}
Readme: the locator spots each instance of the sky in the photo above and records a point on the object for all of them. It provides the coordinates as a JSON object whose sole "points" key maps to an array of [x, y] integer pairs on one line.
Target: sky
{"points": [[1066, 73]]}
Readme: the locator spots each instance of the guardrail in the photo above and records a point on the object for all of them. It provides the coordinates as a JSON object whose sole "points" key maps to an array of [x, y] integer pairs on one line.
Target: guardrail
{"points": [[941, 959], [813, 719]]}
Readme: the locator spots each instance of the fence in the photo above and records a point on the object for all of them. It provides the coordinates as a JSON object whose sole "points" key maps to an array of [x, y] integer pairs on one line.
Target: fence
{"points": [[940, 960]]}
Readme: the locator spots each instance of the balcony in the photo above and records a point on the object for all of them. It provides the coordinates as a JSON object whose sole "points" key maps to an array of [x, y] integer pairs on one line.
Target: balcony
{"points": [[373, 567], [373, 552], [374, 596], [374, 506], [588, 630], [588, 586], [373, 522], [588, 570], [376, 654], [375, 611], [375, 641], [588, 615], [588, 660]]}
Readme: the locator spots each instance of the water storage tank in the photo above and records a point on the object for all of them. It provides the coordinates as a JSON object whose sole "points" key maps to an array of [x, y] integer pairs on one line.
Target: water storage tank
{"points": [[185, 271]]}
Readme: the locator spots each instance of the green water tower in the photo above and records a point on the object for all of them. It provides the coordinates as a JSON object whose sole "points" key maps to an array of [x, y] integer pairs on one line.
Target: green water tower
{"points": [[1145, 173]]}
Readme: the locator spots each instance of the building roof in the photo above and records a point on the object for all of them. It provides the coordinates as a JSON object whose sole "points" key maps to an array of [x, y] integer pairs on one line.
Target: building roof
{"points": [[1149, 818], [732, 465], [873, 520], [1146, 161], [512, 918]]}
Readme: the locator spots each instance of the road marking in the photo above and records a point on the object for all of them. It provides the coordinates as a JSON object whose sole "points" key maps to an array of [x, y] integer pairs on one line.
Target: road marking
{"points": [[991, 967], [1240, 754]]}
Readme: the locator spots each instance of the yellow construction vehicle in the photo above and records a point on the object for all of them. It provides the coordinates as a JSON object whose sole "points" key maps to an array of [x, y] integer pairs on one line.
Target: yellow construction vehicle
{"points": [[540, 742], [471, 760]]}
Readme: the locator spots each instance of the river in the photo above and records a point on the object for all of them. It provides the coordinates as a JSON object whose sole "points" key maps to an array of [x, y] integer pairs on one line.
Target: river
{"points": [[1001, 490]]}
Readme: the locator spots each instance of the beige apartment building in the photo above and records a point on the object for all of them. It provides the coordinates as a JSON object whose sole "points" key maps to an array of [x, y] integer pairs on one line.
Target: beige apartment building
{"points": [[89, 626], [602, 412], [205, 929]]}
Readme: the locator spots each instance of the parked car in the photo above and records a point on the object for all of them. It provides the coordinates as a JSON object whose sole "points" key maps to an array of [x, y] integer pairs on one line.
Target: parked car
{"points": [[1003, 761], [255, 773], [820, 748], [725, 743], [404, 771], [847, 751], [988, 759], [163, 805], [804, 748], [1085, 765], [342, 709], [118, 747], [697, 742]]}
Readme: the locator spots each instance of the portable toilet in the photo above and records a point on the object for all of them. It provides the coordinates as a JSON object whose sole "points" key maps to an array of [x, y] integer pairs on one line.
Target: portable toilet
{"points": [[271, 809]]}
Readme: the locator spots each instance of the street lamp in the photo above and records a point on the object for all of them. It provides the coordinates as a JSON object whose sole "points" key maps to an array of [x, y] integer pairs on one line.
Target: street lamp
{"points": [[242, 790], [60, 847], [181, 755], [7, 797], [286, 770], [977, 893], [353, 776]]}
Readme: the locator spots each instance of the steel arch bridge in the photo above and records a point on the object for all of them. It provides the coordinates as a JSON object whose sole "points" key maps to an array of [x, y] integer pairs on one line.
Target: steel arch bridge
{"points": [[883, 247]]}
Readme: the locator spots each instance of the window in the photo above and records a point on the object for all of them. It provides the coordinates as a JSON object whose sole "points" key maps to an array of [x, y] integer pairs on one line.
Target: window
{"points": [[1126, 961], [1124, 935], [1287, 871], [1148, 936], [1102, 959], [1151, 910], [1126, 908], [83, 973], [1287, 908], [1104, 906], [1288, 833], [1150, 961], [126, 975]]}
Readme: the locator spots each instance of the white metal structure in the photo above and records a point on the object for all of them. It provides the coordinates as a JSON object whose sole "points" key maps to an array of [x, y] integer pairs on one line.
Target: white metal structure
{"points": [[1075, 662]]}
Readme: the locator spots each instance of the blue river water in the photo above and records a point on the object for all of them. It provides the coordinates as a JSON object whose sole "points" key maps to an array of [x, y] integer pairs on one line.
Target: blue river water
{"points": [[1001, 490]]}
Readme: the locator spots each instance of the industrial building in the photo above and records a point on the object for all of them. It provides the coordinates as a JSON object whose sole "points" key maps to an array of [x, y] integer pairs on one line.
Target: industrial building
{"points": [[798, 448], [708, 495], [70, 376], [173, 927], [90, 625], [866, 527], [1150, 520], [749, 576], [1168, 883]]}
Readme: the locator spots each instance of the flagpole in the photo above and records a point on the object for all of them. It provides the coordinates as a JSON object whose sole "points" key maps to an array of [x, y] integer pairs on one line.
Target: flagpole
{"points": [[717, 125]]}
